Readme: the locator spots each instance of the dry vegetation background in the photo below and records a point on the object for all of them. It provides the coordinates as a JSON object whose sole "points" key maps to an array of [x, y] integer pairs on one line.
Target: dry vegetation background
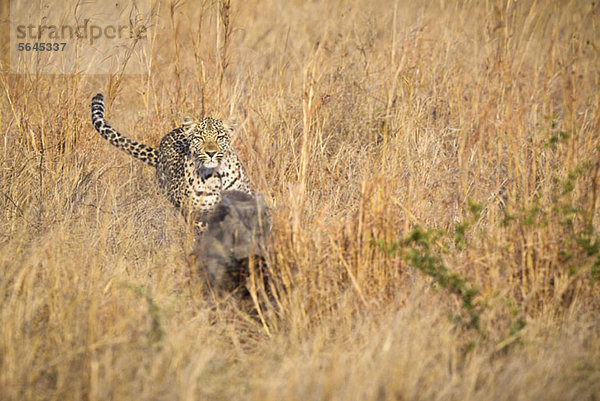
{"points": [[433, 169]]}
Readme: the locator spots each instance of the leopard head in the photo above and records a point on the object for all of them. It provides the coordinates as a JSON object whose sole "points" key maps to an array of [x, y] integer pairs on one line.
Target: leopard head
{"points": [[209, 140]]}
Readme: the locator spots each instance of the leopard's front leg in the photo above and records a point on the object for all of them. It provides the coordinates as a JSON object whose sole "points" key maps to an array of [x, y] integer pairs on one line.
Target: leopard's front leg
{"points": [[204, 187]]}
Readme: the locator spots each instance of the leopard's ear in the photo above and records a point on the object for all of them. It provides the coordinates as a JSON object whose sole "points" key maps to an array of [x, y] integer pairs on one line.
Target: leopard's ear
{"points": [[189, 121], [229, 127], [231, 124]]}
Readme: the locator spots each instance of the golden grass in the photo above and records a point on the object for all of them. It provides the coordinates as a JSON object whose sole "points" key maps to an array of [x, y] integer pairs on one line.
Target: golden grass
{"points": [[359, 121]]}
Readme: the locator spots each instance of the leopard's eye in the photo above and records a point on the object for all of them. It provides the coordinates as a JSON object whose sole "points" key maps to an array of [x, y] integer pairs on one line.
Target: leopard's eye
{"points": [[221, 138]]}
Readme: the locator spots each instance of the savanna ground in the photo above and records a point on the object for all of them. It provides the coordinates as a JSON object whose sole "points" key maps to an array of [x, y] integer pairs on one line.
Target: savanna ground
{"points": [[433, 171]]}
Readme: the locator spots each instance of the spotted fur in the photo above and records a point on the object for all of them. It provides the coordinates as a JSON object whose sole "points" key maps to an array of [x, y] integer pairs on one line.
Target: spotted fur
{"points": [[194, 163]]}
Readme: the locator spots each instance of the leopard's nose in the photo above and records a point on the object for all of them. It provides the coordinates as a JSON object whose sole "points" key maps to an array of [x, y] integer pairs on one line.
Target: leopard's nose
{"points": [[211, 154]]}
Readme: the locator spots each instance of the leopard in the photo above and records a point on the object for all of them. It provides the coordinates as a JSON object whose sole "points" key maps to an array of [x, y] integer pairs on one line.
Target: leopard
{"points": [[195, 163]]}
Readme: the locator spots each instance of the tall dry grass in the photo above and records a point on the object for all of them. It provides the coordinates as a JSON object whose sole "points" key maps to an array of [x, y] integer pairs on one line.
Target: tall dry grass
{"points": [[433, 169]]}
